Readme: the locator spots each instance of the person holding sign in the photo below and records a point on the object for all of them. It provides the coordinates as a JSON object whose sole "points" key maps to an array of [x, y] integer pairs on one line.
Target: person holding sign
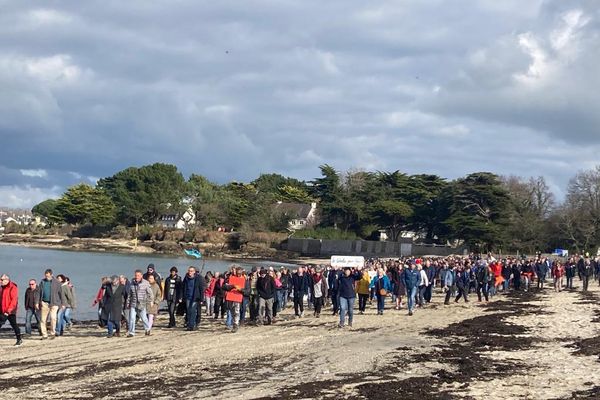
{"points": [[346, 295], [382, 286]]}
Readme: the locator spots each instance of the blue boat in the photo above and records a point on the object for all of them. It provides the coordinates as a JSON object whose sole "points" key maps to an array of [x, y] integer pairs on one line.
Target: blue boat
{"points": [[193, 253]]}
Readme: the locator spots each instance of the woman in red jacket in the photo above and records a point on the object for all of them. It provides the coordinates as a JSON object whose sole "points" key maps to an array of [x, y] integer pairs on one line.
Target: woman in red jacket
{"points": [[558, 271], [8, 306]]}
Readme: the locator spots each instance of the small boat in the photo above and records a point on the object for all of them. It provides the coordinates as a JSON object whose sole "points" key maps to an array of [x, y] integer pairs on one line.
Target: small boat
{"points": [[193, 253]]}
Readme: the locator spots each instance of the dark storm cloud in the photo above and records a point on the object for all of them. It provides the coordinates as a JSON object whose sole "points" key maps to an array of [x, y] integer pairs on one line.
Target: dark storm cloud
{"points": [[230, 90]]}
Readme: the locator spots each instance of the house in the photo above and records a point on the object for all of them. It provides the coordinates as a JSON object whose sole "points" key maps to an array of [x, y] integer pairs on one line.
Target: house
{"points": [[301, 215], [178, 220], [9, 220]]}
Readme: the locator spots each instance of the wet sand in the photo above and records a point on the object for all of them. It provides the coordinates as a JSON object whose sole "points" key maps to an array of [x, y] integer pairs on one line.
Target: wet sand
{"points": [[534, 345]]}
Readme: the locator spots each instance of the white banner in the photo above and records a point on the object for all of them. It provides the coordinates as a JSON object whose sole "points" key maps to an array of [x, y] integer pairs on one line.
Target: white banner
{"points": [[347, 261]]}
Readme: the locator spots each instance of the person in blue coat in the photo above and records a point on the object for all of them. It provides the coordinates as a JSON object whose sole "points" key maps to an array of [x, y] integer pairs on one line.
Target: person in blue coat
{"points": [[382, 285], [412, 279], [447, 274]]}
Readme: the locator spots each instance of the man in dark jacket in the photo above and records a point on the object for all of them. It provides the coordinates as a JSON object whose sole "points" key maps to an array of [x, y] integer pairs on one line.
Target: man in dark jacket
{"points": [[173, 294], [193, 294], [586, 273], [482, 276], [541, 269], [462, 283], [50, 301], [285, 284], [152, 271], [265, 286], [32, 298], [332, 281], [431, 272], [412, 279], [347, 294], [112, 310], [300, 286]]}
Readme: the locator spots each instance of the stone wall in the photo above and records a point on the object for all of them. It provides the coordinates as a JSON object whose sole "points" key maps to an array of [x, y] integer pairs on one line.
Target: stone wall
{"points": [[366, 248]]}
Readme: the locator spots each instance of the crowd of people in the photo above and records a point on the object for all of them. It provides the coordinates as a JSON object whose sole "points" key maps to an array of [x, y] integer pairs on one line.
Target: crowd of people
{"points": [[259, 295]]}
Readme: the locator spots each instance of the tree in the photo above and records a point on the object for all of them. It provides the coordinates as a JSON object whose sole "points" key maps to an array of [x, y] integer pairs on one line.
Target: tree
{"points": [[48, 209], [425, 194], [83, 204], [578, 219], [531, 203], [391, 215], [206, 201], [328, 190], [142, 195], [479, 210]]}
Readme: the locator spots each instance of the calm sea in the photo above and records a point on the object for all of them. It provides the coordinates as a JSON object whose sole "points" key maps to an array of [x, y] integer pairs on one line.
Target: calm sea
{"points": [[85, 269]]}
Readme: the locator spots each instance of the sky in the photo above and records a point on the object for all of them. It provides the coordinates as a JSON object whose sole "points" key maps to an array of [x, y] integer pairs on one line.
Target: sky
{"points": [[233, 89]]}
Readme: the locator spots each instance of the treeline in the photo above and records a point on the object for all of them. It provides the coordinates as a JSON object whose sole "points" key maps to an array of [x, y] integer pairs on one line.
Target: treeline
{"points": [[482, 210]]}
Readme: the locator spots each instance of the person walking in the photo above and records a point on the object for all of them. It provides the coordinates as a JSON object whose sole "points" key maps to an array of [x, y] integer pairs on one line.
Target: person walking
{"points": [[138, 298], [32, 299], [558, 271], [281, 291], [9, 299], [423, 284], [50, 301], [412, 280], [363, 290], [382, 286], [462, 284], [587, 273], [285, 284], [541, 270], [482, 277], [66, 303], [430, 272], [173, 294], [318, 291], [300, 288], [448, 277], [265, 287], [347, 295], [209, 297], [236, 286], [193, 293], [219, 295], [113, 300], [153, 305]]}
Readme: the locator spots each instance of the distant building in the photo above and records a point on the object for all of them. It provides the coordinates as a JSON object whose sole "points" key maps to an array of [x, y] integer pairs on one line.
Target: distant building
{"points": [[9, 220], [301, 215], [178, 220]]}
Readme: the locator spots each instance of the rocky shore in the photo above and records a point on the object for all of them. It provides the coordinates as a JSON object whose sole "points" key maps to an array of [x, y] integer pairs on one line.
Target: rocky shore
{"points": [[526, 345], [213, 250]]}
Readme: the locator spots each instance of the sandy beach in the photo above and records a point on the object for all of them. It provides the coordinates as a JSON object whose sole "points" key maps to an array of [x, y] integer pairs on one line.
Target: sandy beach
{"points": [[533, 345]]}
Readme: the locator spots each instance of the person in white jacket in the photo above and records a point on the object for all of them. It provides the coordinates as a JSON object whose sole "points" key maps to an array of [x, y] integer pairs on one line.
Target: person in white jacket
{"points": [[423, 285]]}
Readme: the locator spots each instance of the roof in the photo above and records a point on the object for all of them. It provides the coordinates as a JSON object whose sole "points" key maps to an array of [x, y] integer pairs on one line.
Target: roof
{"points": [[294, 210]]}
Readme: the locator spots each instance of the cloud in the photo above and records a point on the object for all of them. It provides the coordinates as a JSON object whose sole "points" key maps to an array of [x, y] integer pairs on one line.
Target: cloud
{"points": [[34, 173], [26, 196], [232, 91]]}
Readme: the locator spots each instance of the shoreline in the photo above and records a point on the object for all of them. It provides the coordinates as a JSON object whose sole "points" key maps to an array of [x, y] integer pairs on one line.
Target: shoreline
{"points": [[153, 253]]}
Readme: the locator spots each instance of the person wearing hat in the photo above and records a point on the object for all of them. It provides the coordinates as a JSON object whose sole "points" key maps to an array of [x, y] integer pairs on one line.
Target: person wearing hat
{"points": [[265, 286], [152, 271]]}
